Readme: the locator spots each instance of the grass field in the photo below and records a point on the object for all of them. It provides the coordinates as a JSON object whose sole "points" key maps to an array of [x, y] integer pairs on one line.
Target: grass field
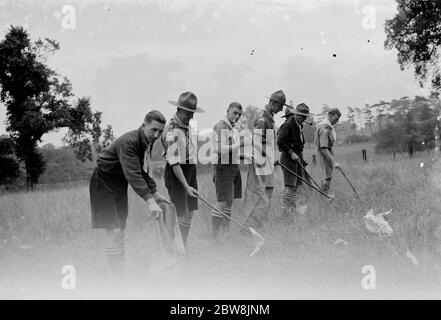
{"points": [[42, 231]]}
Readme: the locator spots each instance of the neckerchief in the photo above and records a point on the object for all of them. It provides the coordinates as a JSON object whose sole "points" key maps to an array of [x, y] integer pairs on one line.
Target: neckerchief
{"points": [[300, 128], [333, 132], [232, 128], [269, 114], [147, 146]]}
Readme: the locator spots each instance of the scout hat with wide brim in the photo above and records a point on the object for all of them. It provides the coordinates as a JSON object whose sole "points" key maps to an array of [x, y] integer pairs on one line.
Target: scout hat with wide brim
{"points": [[279, 97], [187, 101], [301, 109]]}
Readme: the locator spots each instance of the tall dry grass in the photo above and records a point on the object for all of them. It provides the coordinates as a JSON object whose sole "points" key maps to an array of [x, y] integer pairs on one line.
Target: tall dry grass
{"points": [[44, 230]]}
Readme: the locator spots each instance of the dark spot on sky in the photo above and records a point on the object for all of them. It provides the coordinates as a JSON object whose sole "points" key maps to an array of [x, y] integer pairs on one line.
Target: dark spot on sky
{"points": [[369, 40], [334, 55], [252, 52]]}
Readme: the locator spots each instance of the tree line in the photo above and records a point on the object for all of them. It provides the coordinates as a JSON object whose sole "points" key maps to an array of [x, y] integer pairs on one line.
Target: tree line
{"points": [[38, 101]]}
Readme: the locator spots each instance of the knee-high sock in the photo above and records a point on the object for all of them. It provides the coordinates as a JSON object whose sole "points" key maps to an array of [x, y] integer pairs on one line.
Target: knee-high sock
{"points": [[115, 258], [226, 221], [185, 229], [289, 204], [115, 250], [326, 185], [216, 221]]}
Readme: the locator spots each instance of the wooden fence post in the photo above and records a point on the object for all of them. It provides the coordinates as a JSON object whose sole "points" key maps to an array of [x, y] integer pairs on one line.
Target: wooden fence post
{"points": [[410, 150], [363, 152]]}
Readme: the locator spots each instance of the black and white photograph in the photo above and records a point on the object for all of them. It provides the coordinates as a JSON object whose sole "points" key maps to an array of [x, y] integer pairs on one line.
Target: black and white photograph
{"points": [[220, 150]]}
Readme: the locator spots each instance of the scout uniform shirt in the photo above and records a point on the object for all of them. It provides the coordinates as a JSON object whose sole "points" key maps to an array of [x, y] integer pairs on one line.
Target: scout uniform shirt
{"points": [[224, 132], [325, 138], [263, 145], [179, 142]]}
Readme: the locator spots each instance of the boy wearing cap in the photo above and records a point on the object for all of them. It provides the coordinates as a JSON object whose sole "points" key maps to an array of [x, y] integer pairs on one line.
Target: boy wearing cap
{"points": [[263, 152], [180, 150], [226, 172], [325, 138], [290, 141]]}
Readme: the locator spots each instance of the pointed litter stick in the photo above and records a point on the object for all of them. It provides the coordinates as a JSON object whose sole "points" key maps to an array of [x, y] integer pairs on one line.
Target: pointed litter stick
{"points": [[349, 182], [258, 240], [310, 177], [315, 188]]}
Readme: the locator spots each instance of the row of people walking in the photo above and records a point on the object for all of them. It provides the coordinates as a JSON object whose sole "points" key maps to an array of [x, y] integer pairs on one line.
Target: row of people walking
{"points": [[126, 161]]}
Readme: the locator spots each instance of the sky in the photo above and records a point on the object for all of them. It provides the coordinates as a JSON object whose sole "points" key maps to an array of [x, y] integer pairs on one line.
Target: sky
{"points": [[130, 57]]}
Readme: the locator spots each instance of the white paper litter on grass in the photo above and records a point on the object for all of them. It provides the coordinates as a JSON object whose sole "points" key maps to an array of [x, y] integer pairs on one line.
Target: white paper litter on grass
{"points": [[376, 223], [302, 209], [341, 241], [412, 258]]}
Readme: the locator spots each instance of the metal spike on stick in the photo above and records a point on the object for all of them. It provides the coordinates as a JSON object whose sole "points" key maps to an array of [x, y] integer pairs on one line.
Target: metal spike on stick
{"points": [[349, 182], [258, 239], [329, 197]]}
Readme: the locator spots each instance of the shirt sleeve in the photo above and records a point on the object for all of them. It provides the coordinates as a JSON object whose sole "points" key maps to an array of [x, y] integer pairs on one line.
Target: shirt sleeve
{"points": [[323, 137], [175, 144], [283, 138], [261, 127], [132, 168], [260, 137], [220, 136]]}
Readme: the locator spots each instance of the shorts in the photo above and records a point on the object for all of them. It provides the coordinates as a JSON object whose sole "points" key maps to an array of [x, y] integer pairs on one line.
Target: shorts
{"points": [[228, 182], [176, 191], [326, 165], [289, 179], [108, 200]]}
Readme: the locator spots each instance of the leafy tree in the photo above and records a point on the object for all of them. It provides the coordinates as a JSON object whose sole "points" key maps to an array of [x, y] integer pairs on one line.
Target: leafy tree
{"points": [[415, 32], [9, 165], [248, 117], [64, 166], [392, 136], [368, 117], [359, 116], [421, 121], [85, 131], [37, 100], [399, 108], [381, 111], [351, 118], [413, 121]]}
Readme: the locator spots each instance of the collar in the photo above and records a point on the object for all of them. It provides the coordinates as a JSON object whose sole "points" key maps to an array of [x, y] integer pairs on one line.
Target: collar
{"points": [[144, 142], [228, 122], [268, 113], [293, 118], [327, 122], [180, 123]]}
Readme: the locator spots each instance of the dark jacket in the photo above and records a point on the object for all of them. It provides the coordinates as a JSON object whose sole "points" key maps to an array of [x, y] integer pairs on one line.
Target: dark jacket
{"points": [[290, 137], [122, 161], [264, 121]]}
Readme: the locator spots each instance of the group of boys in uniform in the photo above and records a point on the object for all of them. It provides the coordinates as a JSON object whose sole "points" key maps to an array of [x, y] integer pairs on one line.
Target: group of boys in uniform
{"points": [[127, 161]]}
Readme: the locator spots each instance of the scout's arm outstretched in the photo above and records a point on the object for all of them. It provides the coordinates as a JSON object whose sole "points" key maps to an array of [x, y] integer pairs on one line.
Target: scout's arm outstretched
{"points": [[131, 166]]}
